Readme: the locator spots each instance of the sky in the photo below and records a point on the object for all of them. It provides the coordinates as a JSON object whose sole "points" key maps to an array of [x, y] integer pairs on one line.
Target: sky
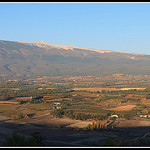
{"points": [[122, 27]]}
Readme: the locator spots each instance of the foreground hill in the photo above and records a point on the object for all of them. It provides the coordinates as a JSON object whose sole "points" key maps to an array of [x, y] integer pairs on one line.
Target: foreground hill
{"points": [[39, 58]]}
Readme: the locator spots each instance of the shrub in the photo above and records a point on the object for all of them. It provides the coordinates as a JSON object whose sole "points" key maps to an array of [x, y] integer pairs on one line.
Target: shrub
{"points": [[19, 140], [21, 115], [89, 127]]}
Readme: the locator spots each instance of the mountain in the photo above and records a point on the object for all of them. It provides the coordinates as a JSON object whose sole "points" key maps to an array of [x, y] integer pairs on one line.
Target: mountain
{"points": [[21, 59]]}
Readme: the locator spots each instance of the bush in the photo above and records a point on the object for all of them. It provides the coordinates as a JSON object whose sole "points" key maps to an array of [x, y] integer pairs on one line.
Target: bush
{"points": [[21, 115], [19, 140], [89, 127], [60, 126]]}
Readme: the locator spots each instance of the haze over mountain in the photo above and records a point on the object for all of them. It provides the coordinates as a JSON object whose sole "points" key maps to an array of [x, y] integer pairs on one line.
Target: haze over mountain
{"points": [[39, 58]]}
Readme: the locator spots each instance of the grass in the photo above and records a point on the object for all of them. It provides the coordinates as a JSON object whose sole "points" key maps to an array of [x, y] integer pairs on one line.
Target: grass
{"points": [[8, 106], [8, 109], [38, 107], [80, 106]]}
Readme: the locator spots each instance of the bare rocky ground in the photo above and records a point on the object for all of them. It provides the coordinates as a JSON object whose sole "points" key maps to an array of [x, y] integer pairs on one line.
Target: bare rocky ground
{"points": [[69, 135]]}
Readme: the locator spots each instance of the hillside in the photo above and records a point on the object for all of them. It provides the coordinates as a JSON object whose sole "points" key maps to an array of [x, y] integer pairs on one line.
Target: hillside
{"points": [[39, 58]]}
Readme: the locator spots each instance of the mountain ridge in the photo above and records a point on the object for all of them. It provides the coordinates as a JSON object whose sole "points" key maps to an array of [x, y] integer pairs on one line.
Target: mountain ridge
{"points": [[67, 47], [22, 59]]}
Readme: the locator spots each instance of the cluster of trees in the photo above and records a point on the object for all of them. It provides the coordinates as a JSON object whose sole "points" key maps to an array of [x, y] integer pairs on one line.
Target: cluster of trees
{"points": [[28, 91], [36, 100], [6, 94], [106, 97], [13, 84], [75, 115], [124, 92]]}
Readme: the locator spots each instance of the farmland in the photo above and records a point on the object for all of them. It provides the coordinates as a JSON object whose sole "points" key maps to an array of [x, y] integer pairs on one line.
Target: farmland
{"points": [[76, 105]]}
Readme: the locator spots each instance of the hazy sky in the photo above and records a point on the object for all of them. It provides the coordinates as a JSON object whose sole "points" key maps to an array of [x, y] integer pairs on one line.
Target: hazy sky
{"points": [[123, 27]]}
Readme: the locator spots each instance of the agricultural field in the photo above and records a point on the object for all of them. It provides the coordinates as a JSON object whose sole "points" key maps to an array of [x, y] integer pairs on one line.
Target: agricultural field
{"points": [[89, 105]]}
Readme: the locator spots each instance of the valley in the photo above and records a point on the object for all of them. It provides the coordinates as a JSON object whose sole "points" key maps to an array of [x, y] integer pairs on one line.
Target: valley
{"points": [[77, 110], [60, 95]]}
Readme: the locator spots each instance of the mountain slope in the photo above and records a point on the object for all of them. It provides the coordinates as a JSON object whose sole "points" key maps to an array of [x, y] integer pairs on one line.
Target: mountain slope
{"points": [[39, 58]]}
